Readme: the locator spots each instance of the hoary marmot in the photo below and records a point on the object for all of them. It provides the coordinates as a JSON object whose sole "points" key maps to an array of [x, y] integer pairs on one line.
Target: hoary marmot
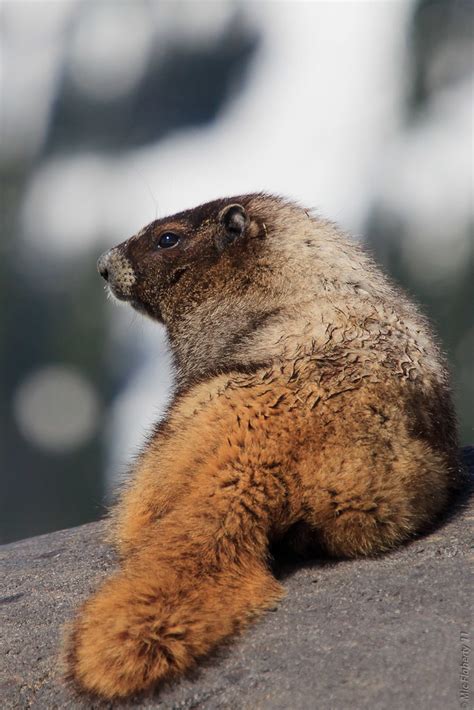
{"points": [[312, 406]]}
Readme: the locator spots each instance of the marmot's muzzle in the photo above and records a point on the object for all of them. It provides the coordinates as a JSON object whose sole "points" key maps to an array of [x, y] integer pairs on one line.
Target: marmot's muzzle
{"points": [[116, 269]]}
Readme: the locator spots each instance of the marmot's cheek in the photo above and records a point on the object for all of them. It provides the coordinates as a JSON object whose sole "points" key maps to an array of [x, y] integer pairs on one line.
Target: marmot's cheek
{"points": [[143, 301]]}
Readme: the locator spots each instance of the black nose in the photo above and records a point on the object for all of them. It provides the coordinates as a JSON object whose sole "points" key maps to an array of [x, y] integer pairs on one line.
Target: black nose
{"points": [[102, 267]]}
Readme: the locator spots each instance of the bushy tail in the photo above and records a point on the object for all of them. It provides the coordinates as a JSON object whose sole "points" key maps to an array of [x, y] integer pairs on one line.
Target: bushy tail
{"points": [[194, 585]]}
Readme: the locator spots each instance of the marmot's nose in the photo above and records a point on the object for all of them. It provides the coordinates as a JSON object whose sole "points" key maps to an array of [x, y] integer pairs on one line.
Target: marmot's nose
{"points": [[103, 265]]}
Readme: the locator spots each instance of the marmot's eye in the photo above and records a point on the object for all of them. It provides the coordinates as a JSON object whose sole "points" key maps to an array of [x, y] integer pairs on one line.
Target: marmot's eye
{"points": [[167, 240]]}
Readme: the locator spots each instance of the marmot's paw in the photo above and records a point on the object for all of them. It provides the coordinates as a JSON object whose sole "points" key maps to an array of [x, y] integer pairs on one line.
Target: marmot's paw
{"points": [[116, 647]]}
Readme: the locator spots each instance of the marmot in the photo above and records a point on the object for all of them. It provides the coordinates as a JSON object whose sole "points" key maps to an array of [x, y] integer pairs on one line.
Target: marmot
{"points": [[312, 406]]}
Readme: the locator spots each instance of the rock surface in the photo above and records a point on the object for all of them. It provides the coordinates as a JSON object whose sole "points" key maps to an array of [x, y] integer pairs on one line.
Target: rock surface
{"points": [[368, 633]]}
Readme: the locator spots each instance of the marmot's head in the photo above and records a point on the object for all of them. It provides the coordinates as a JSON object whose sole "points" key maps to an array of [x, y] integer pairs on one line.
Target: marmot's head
{"points": [[176, 263], [216, 274]]}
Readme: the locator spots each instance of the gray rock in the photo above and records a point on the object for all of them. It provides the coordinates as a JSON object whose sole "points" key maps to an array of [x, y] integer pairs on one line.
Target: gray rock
{"points": [[367, 633]]}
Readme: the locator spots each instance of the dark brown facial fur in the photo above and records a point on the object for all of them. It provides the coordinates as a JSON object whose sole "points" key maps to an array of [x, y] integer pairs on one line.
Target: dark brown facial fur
{"points": [[168, 280], [219, 255]]}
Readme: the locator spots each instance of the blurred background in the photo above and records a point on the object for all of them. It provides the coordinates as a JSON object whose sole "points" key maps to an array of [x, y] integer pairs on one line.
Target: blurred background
{"points": [[115, 113]]}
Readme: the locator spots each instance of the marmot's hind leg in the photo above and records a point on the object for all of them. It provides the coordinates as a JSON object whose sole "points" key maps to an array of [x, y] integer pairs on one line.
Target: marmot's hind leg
{"points": [[368, 499]]}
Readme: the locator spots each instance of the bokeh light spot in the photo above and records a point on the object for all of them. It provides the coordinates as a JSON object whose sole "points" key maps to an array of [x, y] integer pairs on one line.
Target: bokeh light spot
{"points": [[56, 408]]}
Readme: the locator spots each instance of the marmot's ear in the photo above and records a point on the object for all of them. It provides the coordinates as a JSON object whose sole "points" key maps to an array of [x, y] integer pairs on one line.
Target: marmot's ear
{"points": [[234, 220]]}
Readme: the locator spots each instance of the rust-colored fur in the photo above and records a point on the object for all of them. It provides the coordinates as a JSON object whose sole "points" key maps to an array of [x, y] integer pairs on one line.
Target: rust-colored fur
{"points": [[311, 398]]}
